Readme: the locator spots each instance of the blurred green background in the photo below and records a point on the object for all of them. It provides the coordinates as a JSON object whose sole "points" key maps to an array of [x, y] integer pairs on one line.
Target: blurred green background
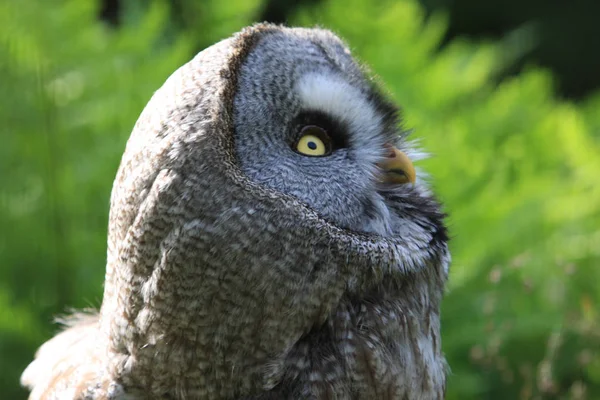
{"points": [[516, 164]]}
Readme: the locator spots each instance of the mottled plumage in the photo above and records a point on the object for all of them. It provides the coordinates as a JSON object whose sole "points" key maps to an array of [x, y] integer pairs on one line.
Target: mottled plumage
{"points": [[239, 268]]}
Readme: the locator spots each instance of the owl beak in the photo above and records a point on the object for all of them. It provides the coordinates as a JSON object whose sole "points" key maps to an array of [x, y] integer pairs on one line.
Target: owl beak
{"points": [[397, 167]]}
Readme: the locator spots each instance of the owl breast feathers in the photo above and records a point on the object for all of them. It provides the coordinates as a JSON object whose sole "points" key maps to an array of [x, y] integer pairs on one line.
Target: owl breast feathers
{"points": [[269, 238]]}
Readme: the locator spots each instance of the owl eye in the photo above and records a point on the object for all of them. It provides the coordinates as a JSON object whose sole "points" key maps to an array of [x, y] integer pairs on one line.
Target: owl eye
{"points": [[314, 141]]}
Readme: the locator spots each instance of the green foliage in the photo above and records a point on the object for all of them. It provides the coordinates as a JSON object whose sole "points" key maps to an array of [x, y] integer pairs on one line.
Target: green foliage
{"points": [[516, 167], [71, 91]]}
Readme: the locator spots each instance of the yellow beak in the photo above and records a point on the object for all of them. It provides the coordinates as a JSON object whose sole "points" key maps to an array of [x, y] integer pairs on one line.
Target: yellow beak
{"points": [[397, 167]]}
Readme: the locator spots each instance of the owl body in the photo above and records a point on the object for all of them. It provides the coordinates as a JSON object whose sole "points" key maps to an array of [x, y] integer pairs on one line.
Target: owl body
{"points": [[268, 239]]}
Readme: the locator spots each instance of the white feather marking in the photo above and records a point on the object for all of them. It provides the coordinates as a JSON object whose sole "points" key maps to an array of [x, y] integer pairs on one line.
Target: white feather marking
{"points": [[334, 96]]}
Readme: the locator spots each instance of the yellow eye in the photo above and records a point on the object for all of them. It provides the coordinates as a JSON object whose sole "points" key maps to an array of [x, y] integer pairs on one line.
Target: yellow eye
{"points": [[313, 142]]}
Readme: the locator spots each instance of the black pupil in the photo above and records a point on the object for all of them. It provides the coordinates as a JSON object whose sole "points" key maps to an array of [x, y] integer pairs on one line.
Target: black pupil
{"points": [[312, 145]]}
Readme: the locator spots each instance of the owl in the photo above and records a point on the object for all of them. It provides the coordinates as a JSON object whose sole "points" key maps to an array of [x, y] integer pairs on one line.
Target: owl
{"points": [[269, 238]]}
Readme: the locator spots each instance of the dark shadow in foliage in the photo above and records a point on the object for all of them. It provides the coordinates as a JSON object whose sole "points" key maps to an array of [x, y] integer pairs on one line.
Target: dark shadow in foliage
{"points": [[568, 34]]}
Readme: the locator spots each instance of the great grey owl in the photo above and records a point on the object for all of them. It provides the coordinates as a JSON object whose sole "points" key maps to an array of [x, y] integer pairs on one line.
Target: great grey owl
{"points": [[269, 238]]}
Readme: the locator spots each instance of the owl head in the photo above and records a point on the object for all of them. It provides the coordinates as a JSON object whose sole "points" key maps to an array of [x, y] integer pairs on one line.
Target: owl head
{"points": [[309, 123]]}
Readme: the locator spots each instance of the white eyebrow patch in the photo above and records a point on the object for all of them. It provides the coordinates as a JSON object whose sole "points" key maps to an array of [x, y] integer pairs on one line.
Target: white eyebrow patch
{"points": [[335, 97]]}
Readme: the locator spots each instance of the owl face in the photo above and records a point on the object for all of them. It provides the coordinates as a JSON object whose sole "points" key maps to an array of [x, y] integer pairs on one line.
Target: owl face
{"points": [[308, 124]]}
